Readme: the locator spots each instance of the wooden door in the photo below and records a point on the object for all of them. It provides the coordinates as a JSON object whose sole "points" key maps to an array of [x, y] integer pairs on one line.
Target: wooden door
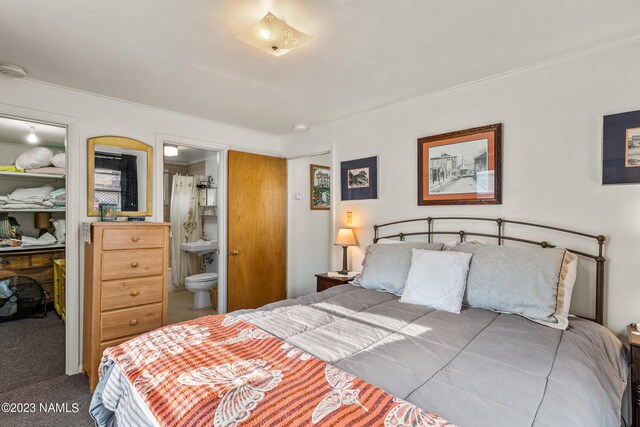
{"points": [[257, 230]]}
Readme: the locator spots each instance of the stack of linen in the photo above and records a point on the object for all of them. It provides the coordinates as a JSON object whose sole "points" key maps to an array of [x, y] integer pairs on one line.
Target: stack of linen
{"points": [[41, 160], [34, 198]]}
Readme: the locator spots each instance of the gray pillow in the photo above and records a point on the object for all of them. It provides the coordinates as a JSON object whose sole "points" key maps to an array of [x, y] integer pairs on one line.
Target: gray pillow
{"points": [[386, 267], [533, 282]]}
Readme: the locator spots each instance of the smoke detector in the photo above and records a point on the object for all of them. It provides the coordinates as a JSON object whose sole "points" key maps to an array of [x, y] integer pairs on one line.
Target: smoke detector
{"points": [[13, 71]]}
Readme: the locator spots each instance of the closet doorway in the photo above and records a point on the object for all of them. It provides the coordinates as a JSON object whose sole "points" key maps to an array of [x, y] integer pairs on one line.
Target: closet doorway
{"points": [[33, 253], [191, 204]]}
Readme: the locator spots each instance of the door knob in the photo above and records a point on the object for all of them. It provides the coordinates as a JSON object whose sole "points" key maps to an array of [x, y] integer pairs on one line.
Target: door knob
{"points": [[235, 252]]}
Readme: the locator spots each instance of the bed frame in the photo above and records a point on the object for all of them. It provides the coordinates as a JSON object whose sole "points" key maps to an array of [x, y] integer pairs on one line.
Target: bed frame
{"points": [[501, 237]]}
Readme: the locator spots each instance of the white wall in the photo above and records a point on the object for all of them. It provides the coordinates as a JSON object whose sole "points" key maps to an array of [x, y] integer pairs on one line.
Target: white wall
{"points": [[552, 143], [309, 232], [91, 115]]}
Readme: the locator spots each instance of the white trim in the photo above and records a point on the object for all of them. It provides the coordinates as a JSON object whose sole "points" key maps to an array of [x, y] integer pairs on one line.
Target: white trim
{"points": [[142, 106], [223, 149], [73, 329], [213, 145], [591, 49], [316, 150]]}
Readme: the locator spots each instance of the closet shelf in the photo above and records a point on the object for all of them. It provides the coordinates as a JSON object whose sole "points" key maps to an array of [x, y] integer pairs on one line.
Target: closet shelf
{"points": [[32, 210], [32, 248], [31, 176]]}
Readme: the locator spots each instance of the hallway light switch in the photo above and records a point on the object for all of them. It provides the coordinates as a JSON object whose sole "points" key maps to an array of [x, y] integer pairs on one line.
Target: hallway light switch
{"points": [[297, 196]]}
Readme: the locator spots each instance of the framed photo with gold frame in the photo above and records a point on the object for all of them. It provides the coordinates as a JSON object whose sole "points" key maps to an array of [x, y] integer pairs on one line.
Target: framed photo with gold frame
{"points": [[320, 187], [461, 168]]}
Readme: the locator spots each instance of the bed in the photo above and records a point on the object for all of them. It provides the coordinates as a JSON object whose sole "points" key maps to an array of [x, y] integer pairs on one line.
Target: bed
{"points": [[429, 367]]}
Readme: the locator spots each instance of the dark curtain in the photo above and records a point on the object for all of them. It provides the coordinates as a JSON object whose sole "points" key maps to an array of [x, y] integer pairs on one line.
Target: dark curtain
{"points": [[128, 168]]}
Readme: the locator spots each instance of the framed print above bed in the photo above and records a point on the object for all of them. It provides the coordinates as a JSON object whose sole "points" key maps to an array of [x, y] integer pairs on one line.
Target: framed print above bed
{"points": [[320, 187], [461, 168], [621, 148], [359, 179]]}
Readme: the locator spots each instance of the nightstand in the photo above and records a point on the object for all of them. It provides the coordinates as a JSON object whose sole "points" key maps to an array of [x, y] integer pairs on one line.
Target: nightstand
{"points": [[634, 342], [325, 282]]}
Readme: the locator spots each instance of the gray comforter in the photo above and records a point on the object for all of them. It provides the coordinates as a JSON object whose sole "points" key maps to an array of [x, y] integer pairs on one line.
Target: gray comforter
{"points": [[476, 368]]}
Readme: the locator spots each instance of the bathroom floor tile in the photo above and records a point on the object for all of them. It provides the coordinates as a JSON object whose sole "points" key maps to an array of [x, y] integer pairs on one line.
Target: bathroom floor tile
{"points": [[181, 307]]}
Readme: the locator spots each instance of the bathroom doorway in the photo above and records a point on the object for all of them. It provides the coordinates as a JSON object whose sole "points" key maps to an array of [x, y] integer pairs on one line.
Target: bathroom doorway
{"points": [[191, 203]]}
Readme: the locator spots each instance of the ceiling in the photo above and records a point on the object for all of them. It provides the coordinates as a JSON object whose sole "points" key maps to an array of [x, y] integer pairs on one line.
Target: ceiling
{"points": [[16, 132], [184, 56]]}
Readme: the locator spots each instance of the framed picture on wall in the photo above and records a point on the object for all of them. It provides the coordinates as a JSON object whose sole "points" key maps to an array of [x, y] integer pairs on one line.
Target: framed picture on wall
{"points": [[320, 187], [461, 168], [621, 148], [359, 179]]}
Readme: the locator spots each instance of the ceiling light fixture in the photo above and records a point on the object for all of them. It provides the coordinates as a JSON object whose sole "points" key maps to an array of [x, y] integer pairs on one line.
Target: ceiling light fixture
{"points": [[273, 35], [170, 150], [301, 127], [14, 71], [32, 138]]}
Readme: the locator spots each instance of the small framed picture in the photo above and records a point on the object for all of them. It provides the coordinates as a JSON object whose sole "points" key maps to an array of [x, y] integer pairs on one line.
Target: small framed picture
{"points": [[461, 168], [621, 148], [359, 179], [320, 187], [108, 212]]}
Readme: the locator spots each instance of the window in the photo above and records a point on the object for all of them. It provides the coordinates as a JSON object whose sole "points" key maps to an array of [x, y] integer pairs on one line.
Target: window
{"points": [[107, 187]]}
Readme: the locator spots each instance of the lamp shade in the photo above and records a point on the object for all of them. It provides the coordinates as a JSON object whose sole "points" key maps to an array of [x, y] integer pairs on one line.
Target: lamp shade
{"points": [[42, 220], [345, 237]]}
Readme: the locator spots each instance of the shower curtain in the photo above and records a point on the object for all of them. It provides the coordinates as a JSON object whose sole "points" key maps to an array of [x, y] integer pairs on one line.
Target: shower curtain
{"points": [[185, 227]]}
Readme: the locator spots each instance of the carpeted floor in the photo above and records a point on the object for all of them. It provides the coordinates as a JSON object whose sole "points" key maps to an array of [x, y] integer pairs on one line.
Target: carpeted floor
{"points": [[31, 351], [32, 372], [65, 402]]}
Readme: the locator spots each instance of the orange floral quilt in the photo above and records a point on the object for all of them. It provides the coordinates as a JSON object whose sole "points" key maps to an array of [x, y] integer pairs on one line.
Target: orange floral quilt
{"points": [[222, 371]]}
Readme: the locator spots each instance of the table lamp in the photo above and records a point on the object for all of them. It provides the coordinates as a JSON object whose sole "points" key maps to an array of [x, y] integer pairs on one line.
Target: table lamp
{"points": [[42, 221], [345, 238]]}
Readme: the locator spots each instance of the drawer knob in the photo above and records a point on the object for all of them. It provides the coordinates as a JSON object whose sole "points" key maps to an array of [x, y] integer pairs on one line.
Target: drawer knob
{"points": [[134, 322], [134, 264], [134, 293], [135, 238]]}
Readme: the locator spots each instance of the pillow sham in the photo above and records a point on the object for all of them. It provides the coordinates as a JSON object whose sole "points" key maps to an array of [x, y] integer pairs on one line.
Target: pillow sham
{"points": [[437, 279], [533, 282], [385, 267], [388, 241], [37, 157], [59, 160]]}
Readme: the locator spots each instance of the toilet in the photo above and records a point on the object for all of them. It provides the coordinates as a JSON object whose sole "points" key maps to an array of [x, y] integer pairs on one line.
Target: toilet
{"points": [[200, 284]]}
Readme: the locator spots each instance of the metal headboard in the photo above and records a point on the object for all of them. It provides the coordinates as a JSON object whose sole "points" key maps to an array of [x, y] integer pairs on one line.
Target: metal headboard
{"points": [[501, 237]]}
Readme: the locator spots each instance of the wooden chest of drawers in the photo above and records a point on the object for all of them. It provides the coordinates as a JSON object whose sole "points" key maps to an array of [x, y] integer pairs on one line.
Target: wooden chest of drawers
{"points": [[125, 286]]}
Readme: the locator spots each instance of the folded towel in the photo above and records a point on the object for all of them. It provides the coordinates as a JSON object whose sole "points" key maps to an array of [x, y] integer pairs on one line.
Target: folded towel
{"points": [[45, 239], [30, 195], [10, 243], [58, 197], [13, 204], [11, 168], [50, 170]]}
